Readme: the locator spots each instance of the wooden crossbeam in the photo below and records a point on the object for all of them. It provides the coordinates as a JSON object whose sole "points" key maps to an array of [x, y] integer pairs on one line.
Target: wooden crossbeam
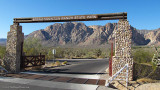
{"points": [[92, 17]]}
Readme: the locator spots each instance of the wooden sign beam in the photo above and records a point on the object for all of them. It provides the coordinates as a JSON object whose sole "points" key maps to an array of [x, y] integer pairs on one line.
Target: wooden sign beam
{"points": [[110, 16]]}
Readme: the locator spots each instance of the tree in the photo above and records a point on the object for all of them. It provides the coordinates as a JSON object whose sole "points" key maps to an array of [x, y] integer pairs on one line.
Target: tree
{"points": [[98, 52], [50, 55], [59, 52], [32, 46], [142, 56]]}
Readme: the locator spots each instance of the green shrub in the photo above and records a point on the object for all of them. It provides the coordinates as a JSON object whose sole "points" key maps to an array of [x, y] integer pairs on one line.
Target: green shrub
{"points": [[57, 63], [2, 51], [103, 55], [145, 71], [59, 53], [65, 62], [32, 46], [154, 66], [98, 52], [142, 56], [50, 55]]}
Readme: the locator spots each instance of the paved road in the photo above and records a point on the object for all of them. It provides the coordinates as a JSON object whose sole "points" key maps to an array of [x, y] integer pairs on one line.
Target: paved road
{"points": [[28, 84], [82, 66], [85, 68], [17, 86]]}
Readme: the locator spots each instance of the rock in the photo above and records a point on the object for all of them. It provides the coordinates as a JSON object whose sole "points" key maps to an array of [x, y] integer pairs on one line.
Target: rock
{"points": [[76, 33]]}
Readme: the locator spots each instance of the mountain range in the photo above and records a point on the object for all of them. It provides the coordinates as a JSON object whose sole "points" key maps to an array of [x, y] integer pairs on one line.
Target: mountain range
{"points": [[78, 34], [3, 41]]}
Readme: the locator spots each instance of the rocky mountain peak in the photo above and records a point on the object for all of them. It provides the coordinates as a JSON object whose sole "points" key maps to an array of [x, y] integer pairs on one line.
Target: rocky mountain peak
{"points": [[77, 33]]}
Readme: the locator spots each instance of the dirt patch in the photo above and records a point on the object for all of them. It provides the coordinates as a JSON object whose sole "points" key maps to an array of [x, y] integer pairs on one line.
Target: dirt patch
{"points": [[140, 84], [149, 86]]}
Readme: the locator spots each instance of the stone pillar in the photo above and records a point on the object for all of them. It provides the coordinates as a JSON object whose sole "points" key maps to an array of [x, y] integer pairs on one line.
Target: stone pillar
{"points": [[14, 45], [122, 49]]}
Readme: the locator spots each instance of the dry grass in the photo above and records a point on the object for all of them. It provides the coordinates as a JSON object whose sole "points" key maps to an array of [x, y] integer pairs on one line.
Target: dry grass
{"points": [[134, 85], [57, 63], [64, 63], [34, 68], [149, 64], [146, 80]]}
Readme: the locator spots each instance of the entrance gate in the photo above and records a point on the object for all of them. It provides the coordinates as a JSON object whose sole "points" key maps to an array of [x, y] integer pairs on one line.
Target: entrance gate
{"points": [[122, 56], [30, 61]]}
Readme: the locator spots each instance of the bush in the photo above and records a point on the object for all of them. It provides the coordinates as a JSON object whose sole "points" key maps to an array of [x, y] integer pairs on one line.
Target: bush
{"points": [[65, 62], [98, 52], [145, 71], [32, 46], [57, 63], [89, 55], [59, 53], [2, 51], [50, 55], [103, 55], [142, 56]]}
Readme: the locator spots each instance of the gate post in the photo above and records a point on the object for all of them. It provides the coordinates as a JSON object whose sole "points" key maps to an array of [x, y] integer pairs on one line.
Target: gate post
{"points": [[110, 60], [123, 49], [15, 39]]}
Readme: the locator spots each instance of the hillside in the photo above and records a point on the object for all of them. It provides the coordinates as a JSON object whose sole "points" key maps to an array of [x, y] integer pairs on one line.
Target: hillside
{"points": [[79, 34], [3, 41], [154, 37]]}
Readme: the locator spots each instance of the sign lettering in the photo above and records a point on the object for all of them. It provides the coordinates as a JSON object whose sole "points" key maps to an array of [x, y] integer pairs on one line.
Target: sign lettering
{"points": [[65, 18]]}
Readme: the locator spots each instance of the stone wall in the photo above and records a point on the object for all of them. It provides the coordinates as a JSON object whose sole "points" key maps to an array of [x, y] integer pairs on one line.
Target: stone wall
{"points": [[15, 40], [122, 49]]}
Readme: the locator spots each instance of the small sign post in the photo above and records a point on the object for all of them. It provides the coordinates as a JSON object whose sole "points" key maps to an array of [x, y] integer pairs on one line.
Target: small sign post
{"points": [[54, 52]]}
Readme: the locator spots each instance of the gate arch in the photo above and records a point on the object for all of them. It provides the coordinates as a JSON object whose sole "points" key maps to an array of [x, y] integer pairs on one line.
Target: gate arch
{"points": [[15, 39]]}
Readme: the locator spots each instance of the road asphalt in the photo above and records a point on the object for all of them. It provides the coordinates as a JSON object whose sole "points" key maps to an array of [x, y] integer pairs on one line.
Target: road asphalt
{"points": [[28, 84], [79, 68]]}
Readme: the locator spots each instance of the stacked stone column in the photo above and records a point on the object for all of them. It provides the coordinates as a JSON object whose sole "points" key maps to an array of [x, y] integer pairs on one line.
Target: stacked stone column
{"points": [[14, 45], [122, 49]]}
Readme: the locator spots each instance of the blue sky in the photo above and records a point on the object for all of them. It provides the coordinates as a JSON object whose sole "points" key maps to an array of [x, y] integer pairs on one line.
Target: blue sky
{"points": [[142, 14]]}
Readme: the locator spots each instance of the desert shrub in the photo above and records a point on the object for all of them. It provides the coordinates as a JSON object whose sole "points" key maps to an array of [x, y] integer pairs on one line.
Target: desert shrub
{"points": [[59, 53], [65, 62], [57, 63], [154, 66], [142, 56], [50, 55], [145, 71], [32, 46], [141, 70], [98, 52], [79, 53], [2, 51], [103, 55], [89, 55]]}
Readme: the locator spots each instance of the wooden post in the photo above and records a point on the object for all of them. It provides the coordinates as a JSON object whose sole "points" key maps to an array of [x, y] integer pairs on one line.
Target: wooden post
{"points": [[110, 61]]}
